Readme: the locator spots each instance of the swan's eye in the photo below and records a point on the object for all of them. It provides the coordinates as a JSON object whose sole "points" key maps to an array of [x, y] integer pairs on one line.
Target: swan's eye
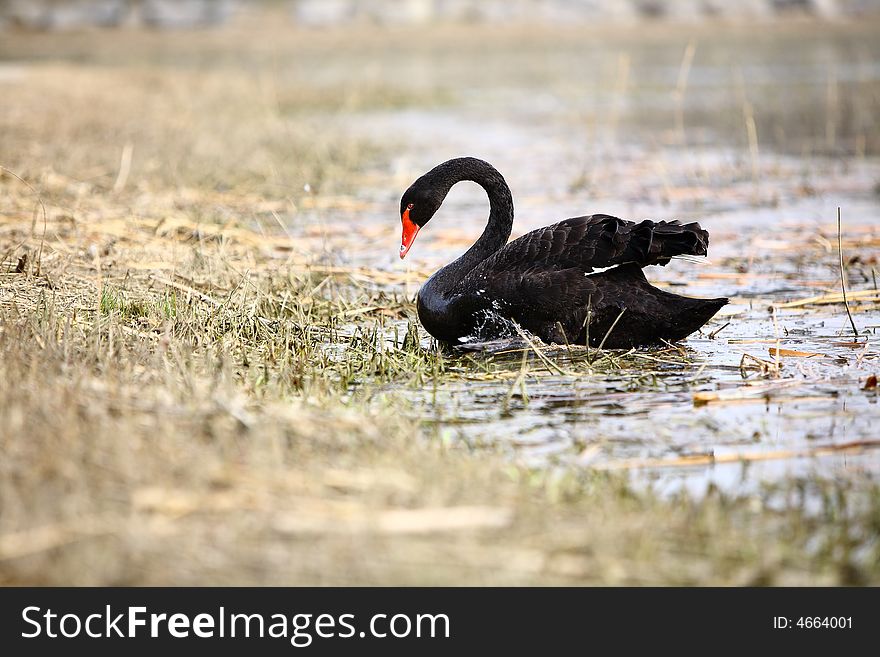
{"points": [[409, 207]]}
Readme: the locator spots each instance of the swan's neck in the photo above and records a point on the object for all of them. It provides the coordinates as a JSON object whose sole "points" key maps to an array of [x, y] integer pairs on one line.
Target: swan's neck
{"points": [[500, 222]]}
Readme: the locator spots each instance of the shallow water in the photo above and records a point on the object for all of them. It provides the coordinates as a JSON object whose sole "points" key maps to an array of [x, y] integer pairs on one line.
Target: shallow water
{"points": [[573, 143]]}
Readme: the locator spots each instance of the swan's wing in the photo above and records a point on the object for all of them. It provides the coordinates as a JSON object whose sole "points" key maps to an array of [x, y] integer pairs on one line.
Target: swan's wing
{"points": [[550, 267], [599, 241]]}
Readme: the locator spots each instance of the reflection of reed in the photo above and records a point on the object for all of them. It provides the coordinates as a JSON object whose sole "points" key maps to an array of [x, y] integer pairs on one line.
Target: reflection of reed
{"points": [[621, 81], [681, 87]]}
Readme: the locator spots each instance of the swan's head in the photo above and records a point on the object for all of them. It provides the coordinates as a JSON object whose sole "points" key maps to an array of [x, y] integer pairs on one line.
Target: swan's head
{"points": [[417, 205]]}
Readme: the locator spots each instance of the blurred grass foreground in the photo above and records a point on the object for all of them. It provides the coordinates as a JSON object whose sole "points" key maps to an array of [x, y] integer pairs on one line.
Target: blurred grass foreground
{"points": [[210, 366]]}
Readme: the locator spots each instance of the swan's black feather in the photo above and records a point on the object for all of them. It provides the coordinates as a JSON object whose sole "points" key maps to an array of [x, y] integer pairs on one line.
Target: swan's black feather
{"points": [[571, 281], [596, 242]]}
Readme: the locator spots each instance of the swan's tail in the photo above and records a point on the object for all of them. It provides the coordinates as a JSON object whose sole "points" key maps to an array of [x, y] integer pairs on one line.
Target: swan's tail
{"points": [[669, 239], [640, 314]]}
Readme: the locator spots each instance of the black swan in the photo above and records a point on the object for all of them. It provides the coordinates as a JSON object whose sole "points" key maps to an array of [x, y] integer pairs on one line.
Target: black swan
{"points": [[576, 281]]}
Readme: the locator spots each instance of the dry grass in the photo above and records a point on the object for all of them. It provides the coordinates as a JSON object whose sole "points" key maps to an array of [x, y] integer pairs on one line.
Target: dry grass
{"points": [[172, 121], [131, 460], [188, 398]]}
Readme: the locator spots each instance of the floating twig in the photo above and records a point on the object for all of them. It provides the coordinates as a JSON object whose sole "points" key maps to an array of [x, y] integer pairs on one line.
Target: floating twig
{"points": [[711, 458], [835, 297], [718, 330], [794, 353]]}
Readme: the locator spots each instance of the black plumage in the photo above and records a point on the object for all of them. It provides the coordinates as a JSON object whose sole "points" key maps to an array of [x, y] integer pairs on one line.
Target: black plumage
{"points": [[568, 282]]}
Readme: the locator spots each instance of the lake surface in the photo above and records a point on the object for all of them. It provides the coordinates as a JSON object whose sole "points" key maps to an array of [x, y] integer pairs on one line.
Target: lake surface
{"points": [[761, 139]]}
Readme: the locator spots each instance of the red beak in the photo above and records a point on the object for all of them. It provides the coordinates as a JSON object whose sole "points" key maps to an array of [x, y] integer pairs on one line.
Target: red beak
{"points": [[410, 230]]}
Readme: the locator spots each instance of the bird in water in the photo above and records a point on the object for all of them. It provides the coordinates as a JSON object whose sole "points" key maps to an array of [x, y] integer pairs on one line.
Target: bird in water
{"points": [[577, 281]]}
